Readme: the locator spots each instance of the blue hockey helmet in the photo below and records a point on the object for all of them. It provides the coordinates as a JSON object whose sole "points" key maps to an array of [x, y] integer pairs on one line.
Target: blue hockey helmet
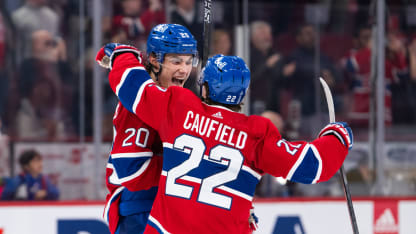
{"points": [[171, 38], [228, 78]]}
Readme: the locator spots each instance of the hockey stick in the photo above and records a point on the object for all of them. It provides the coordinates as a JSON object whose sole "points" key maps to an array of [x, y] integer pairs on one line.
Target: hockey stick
{"points": [[331, 111], [207, 31]]}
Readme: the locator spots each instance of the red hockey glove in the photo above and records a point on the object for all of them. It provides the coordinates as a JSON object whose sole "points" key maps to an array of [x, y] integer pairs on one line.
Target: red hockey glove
{"points": [[342, 131], [109, 52]]}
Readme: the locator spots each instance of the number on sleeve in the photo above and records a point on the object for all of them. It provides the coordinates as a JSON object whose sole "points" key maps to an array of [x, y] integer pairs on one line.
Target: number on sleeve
{"points": [[125, 142], [290, 148], [141, 137]]}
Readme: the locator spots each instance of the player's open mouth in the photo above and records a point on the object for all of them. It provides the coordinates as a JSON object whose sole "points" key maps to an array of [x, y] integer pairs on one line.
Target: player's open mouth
{"points": [[177, 81]]}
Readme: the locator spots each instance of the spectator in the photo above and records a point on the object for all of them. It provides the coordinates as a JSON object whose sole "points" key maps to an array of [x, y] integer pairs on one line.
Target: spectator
{"points": [[276, 119], [360, 176], [31, 184], [6, 62], [411, 53], [43, 108], [221, 42], [363, 11], [185, 13], [362, 38], [134, 23], [263, 64], [298, 72], [404, 89], [32, 16], [359, 64], [397, 75]]}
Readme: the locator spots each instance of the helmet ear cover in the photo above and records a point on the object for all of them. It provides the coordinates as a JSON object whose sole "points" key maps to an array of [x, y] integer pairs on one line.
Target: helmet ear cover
{"points": [[172, 39], [228, 78]]}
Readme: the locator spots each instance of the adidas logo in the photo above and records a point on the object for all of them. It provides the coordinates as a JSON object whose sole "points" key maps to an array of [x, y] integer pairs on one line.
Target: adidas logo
{"points": [[218, 115], [386, 223]]}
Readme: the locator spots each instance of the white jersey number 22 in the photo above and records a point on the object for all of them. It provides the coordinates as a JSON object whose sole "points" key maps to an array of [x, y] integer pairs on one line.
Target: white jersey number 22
{"points": [[206, 193]]}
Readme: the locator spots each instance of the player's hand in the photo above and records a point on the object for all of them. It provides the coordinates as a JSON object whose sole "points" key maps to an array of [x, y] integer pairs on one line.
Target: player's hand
{"points": [[109, 52], [289, 69], [272, 60], [341, 130]]}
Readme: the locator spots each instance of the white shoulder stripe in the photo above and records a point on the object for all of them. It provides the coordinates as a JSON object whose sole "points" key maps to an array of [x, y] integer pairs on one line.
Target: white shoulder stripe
{"points": [[220, 107], [170, 146], [132, 155], [137, 173], [187, 178], [167, 145], [318, 157], [124, 76], [114, 133], [139, 94], [117, 110], [153, 220], [108, 204], [298, 162], [114, 179], [251, 171], [222, 162], [235, 192]]}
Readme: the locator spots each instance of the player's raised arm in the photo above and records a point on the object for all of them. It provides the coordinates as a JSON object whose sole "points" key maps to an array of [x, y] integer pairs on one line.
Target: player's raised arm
{"points": [[132, 84], [306, 162], [133, 169]]}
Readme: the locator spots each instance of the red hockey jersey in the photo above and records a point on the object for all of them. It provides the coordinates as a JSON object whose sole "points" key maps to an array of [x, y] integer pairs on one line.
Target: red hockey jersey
{"points": [[133, 171], [213, 157]]}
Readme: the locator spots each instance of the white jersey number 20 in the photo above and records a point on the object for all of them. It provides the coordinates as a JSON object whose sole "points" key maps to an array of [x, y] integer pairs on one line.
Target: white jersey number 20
{"points": [[206, 193]]}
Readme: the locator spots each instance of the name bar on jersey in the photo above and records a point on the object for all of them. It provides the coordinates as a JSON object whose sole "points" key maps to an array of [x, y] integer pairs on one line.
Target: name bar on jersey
{"points": [[223, 133]]}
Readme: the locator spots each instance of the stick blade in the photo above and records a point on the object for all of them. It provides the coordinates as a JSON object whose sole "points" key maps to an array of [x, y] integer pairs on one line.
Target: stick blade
{"points": [[329, 100]]}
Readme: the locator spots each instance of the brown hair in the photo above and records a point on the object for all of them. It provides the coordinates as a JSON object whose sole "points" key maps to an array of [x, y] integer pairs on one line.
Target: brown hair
{"points": [[27, 156]]}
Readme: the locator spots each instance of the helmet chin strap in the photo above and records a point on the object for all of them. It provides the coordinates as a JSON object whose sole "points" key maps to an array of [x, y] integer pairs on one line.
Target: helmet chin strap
{"points": [[158, 72]]}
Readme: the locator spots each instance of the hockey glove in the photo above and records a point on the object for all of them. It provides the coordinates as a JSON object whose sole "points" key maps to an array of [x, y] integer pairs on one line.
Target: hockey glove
{"points": [[110, 51], [341, 130]]}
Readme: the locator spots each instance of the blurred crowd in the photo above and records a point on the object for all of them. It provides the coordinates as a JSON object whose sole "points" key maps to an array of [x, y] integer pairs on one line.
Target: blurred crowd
{"points": [[289, 49], [39, 67]]}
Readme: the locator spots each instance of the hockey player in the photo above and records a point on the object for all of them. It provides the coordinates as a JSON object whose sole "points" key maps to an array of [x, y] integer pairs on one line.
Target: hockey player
{"points": [[213, 157], [133, 168]]}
